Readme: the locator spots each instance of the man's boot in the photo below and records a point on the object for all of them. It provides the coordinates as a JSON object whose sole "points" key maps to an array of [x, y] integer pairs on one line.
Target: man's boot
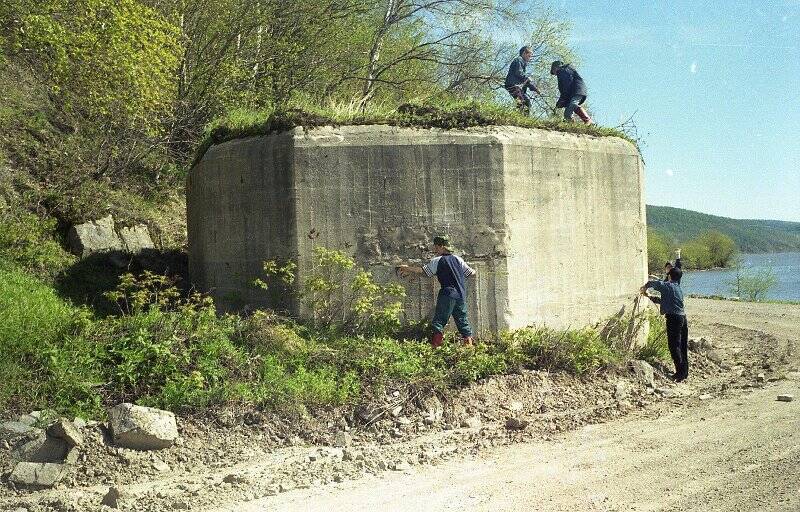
{"points": [[583, 115], [436, 339], [468, 341]]}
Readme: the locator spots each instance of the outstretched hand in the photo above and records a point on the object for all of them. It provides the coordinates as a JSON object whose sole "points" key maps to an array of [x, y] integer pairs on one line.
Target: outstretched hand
{"points": [[404, 270]]}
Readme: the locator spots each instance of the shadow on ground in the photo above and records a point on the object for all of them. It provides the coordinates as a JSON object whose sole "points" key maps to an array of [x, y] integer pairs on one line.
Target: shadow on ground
{"points": [[87, 281]]}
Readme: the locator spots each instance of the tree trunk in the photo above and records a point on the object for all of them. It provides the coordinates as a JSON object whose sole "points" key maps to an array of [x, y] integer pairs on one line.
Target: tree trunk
{"points": [[375, 52]]}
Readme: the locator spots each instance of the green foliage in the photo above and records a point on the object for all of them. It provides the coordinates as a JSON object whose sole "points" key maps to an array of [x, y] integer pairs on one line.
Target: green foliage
{"points": [[109, 60], [749, 235], [659, 250], [341, 297], [721, 248], [28, 241], [655, 348], [575, 351], [696, 255], [710, 249], [44, 360], [175, 352], [751, 283]]}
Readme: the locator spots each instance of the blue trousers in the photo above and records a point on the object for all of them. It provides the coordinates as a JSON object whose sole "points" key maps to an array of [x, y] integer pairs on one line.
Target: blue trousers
{"points": [[569, 110], [446, 307]]}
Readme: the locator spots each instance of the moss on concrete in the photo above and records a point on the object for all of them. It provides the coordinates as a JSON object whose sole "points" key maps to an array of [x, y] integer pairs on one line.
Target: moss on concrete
{"points": [[452, 116]]}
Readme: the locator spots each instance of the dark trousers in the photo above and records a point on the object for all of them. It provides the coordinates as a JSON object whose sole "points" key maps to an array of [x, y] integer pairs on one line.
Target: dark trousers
{"points": [[522, 99], [447, 307], [678, 341]]}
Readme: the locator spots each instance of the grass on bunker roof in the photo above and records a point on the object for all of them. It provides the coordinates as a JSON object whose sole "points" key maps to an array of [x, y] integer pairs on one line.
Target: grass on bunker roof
{"points": [[452, 115]]}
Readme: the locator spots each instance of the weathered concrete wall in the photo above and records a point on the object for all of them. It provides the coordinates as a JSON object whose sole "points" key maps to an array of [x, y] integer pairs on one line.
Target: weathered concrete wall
{"points": [[554, 223]]}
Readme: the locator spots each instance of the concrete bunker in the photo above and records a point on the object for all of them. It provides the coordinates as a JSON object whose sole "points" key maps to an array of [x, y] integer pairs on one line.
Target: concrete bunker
{"points": [[553, 222]]}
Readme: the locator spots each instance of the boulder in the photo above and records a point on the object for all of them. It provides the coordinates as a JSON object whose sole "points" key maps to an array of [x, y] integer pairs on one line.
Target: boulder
{"points": [[643, 372], [472, 422], [43, 449], [514, 423], [93, 237], [66, 430], [142, 428], [36, 475], [135, 239], [342, 440], [11, 429]]}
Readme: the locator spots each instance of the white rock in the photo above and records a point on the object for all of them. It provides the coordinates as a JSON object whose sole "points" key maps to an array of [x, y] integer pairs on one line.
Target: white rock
{"points": [[644, 372], [92, 237], [434, 410], [342, 440], [472, 422], [142, 428], [43, 449], [706, 396], [621, 390], [36, 475], [401, 466], [14, 428], [136, 239], [66, 430]]}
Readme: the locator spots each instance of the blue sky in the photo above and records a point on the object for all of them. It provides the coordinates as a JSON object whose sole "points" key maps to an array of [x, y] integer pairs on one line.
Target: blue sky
{"points": [[715, 87]]}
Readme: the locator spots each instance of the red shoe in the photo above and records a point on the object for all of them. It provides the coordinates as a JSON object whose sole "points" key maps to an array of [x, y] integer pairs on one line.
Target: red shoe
{"points": [[437, 339], [583, 115]]}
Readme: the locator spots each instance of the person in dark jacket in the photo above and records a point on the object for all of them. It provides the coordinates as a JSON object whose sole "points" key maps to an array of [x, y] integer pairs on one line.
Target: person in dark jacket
{"points": [[452, 272], [572, 91], [517, 82], [671, 306]]}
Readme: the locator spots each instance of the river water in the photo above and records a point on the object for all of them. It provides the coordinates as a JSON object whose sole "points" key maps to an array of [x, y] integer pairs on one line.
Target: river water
{"points": [[786, 266]]}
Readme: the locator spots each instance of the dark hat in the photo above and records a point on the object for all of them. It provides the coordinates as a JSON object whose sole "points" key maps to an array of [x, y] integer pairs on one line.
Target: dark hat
{"points": [[556, 64], [441, 241]]}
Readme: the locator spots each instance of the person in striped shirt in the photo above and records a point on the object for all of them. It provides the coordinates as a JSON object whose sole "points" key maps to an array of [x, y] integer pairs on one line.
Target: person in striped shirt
{"points": [[452, 272]]}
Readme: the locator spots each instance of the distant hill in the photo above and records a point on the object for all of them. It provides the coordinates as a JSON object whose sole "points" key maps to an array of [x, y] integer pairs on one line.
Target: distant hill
{"points": [[750, 235]]}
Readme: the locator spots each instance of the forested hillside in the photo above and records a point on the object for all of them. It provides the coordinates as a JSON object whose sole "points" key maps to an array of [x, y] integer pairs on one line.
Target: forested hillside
{"points": [[104, 102], [751, 236]]}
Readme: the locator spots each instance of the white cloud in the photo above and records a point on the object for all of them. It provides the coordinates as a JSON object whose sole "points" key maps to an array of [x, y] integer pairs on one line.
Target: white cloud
{"points": [[693, 68], [669, 172]]}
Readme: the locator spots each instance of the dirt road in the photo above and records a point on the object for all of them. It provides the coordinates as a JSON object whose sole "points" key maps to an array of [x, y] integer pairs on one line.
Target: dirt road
{"points": [[728, 450]]}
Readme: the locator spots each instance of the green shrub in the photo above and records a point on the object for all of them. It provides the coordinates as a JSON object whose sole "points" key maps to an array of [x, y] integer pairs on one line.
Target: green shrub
{"points": [[655, 348], [576, 351], [339, 296], [29, 242], [441, 114], [165, 350]]}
